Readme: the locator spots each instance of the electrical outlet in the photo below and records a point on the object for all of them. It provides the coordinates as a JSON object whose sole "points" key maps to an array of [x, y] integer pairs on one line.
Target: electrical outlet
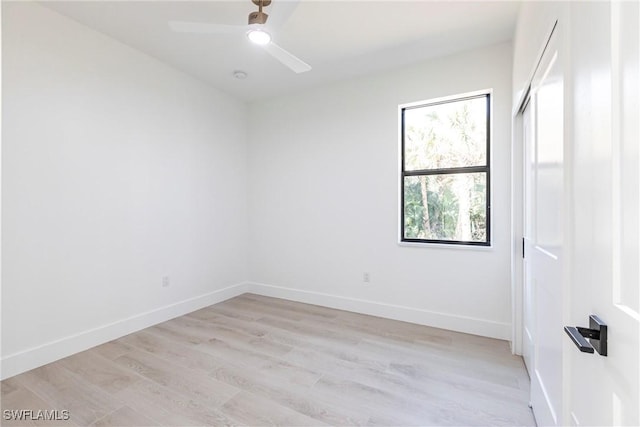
{"points": [[366, 278], [165, 281]]}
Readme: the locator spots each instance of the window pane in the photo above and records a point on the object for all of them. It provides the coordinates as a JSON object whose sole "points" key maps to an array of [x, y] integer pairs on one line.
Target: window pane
{"points": [[446, 207], [447, 135]]}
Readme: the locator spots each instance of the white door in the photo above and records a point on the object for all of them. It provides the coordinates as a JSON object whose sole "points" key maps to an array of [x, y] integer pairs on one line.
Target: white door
{"points": [[543, 263], [606, 259]]}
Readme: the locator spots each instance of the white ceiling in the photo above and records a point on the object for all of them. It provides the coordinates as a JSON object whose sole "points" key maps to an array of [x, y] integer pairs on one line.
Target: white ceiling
{"points": [[338, 38]]}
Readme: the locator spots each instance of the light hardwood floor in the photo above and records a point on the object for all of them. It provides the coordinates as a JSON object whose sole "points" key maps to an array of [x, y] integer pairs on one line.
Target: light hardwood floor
{"points": [[257, 361]]}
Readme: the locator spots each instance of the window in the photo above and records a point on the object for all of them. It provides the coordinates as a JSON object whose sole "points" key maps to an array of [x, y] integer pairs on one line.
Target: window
{"points": [[445, 171]]}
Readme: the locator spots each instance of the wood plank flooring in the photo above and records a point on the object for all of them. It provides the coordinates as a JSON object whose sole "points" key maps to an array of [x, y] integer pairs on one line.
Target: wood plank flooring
{"points": [[260, 361]]}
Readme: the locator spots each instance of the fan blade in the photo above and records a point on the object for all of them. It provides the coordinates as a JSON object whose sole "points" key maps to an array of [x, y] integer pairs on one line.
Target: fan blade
{"points": [[296, 64], [280, 13], [205, 28]]}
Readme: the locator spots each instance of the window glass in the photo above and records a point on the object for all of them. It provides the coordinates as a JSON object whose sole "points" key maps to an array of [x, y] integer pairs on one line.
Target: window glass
{"points": [[445, 171], [448, 135]]}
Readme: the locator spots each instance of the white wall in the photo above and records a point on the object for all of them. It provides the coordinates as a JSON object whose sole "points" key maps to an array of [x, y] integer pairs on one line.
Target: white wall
{"points": [[323, 194], [116, 170]]}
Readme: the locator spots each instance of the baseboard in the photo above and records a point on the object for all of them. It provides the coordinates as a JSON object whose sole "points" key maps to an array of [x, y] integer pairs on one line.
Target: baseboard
{"points": [[25, 360], [469, 325], [32, 358]]}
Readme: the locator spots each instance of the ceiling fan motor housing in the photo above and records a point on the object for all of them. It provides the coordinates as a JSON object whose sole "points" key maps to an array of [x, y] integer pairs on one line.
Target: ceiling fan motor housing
{"points": [[257, 18]]}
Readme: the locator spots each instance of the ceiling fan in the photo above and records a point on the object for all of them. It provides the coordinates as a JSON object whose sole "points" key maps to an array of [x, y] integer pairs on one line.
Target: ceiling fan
{"points": [[257, 31]]}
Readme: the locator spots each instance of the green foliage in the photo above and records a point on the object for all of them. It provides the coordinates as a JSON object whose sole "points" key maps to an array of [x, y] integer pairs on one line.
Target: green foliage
{"points": [[413, 210], [443, 210]]}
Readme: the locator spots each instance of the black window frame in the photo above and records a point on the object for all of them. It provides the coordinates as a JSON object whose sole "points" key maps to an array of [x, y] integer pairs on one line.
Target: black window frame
{"points": [[447, 171]]}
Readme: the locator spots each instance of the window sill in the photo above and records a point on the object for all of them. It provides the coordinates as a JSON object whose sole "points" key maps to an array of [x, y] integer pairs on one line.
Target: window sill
{"points": [[446, 246]]}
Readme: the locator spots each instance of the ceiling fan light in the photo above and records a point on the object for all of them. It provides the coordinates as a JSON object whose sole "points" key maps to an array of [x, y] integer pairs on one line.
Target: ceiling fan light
{"points": [[259, 37]]}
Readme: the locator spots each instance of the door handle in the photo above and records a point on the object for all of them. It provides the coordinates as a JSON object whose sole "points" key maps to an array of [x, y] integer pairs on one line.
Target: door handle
{"points": [[596, 334]]}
